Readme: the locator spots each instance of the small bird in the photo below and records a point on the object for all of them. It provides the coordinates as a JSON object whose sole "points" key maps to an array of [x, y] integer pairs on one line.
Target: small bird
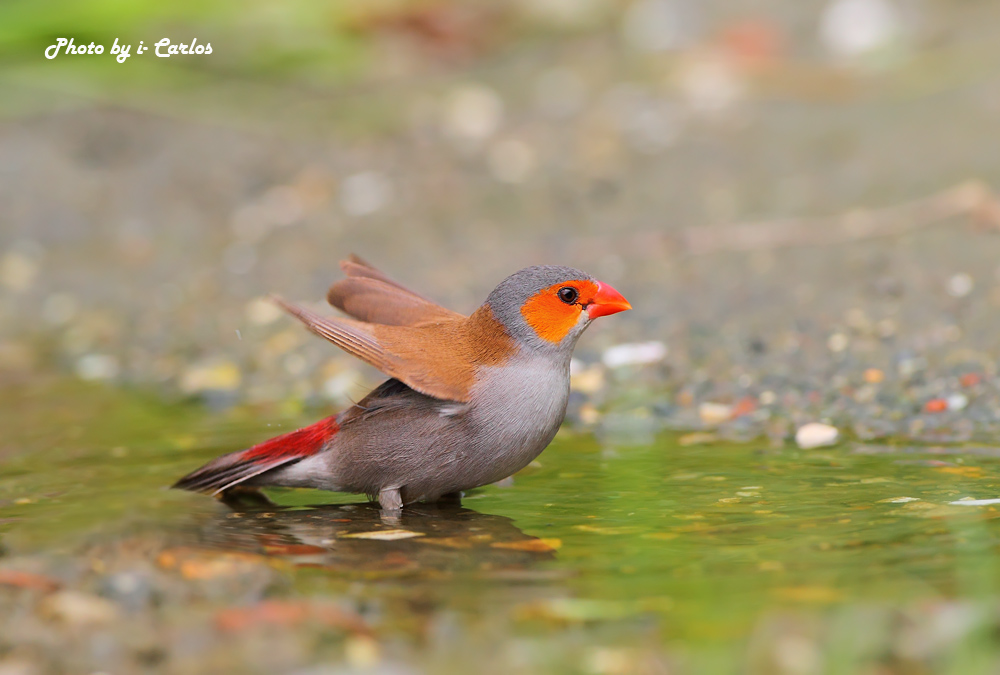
{"points": [[470, 399]]}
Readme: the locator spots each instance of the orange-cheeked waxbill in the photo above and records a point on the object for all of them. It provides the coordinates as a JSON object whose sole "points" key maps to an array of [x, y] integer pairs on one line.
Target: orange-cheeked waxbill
{"points": [[469, 401]]}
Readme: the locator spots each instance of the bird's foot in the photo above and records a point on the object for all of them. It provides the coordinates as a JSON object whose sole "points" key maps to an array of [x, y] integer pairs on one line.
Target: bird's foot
{"points": [[390, 499]]}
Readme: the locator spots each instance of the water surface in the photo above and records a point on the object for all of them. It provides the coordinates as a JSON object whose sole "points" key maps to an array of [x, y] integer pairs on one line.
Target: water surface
{"points": [[595, 558]]}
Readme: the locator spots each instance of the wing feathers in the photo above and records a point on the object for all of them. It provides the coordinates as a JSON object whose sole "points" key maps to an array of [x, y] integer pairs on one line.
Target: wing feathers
{"points": [[376, 301], [370, 295], [436, 371], [351, 336], [431, 349]]}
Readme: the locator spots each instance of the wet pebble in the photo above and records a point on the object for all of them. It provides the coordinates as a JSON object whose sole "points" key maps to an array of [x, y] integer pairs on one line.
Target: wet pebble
{"points": [[956, 402], [936, 405], [132, 590], [816, 435], [79, 608], [713, 414]]}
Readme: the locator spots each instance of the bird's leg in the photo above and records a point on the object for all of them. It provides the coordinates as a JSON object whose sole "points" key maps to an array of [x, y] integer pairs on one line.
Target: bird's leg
{"points": [[451, 499], [389, 499]]}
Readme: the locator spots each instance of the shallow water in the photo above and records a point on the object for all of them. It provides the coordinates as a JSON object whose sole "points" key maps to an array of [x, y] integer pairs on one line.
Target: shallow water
{"points": [[607, 559]]}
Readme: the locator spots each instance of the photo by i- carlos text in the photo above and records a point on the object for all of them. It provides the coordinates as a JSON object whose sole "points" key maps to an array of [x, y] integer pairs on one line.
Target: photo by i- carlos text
{"points": [[163, 48]]}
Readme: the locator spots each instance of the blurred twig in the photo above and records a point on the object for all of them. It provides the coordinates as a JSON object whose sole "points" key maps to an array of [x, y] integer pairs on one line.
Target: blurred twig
{"points": [[973, 199]]}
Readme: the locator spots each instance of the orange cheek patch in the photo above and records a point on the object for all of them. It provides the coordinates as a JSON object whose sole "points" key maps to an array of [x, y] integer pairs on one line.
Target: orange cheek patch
{"points": [[549, 316]]}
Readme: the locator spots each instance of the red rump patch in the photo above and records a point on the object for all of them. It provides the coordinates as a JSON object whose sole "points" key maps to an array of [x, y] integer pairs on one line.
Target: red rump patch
{"points": [[305, 441]]}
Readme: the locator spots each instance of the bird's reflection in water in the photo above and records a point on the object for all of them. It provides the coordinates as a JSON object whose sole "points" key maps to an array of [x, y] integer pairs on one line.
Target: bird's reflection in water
{"points": [[360, 539]]}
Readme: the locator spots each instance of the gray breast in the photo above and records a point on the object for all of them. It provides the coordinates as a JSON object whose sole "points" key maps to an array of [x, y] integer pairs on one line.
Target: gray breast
{"points": [[516, 411]]}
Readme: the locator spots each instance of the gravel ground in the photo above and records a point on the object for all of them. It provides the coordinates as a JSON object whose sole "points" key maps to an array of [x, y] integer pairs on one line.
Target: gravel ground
{"points": [[138, 248]]}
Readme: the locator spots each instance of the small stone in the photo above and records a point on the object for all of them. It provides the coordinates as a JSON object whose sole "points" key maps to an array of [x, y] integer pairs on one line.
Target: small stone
{"points": [[709, 82], [75, 607], [873, 376], [262, 311], [936, 405], [745, 406], [132, 590], [473, 113], [714, 413], [589, 415], [968, 501], [852, 28], [837, 342], [17, 271], [908, 367], [816, 435], [960, 285], [383, 535], [361, 652], [957, 401], [886, 328], [970, 379], [637, 353], [530, 545]]}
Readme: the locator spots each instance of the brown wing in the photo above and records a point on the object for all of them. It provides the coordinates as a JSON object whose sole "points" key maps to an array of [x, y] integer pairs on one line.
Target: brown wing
{"points": [[370, 295], [428, 358]]}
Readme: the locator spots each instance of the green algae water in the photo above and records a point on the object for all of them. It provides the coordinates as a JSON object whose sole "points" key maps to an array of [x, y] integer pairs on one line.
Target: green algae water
{"points": [[597, 558]]}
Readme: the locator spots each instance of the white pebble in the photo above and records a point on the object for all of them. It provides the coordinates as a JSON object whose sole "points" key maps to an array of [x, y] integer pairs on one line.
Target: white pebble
{"points": [[634, 353], [975, 502], [97, 367], [78, 608], [262, 311], [17, 271], [852, 28], [816, 435], [473, 113], [957, 401], [714, 413], [960, 285], [837, 342]]}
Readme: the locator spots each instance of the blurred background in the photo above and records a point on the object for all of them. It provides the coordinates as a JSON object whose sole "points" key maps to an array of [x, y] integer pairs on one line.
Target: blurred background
{"points": [[796, 197], [150, 206]]}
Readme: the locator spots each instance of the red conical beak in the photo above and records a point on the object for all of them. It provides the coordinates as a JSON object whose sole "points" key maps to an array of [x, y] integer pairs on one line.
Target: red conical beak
{"points": [[607, 301]]}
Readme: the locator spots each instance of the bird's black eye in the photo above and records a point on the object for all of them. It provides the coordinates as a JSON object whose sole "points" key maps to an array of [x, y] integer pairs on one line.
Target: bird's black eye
{"points": [[568, 294]]}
